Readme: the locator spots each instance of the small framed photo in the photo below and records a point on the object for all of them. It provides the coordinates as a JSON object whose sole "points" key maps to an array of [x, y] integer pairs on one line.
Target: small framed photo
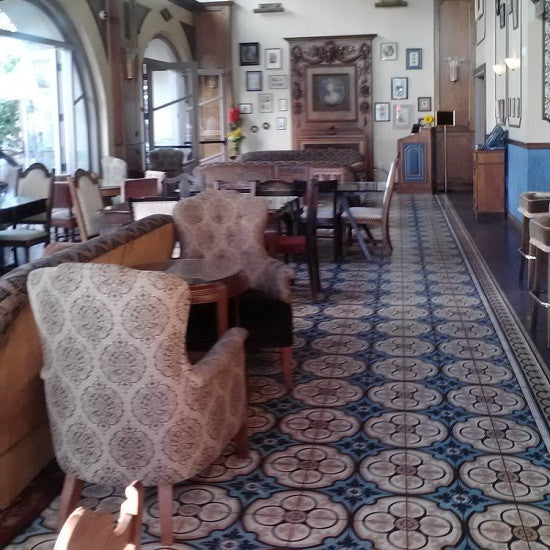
{"points": [[282, 104], [273, 58], [413, 58], [245, 108], [281, 123], [278, 82], [402, 116], [381, 112], [266, 103], [424, 104], [399, 87], [253, 81], [249, 53], [502, 14], [388, 51]]}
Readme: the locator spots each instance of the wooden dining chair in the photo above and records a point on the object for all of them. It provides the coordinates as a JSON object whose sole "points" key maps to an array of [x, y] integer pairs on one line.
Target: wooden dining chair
{"points": [[88, 203], [62, 211]]}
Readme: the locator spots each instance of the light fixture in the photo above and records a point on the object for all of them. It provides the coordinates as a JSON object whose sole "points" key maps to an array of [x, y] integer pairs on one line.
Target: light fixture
{"points": [[499, 69], [512, 63], [272, 7]]}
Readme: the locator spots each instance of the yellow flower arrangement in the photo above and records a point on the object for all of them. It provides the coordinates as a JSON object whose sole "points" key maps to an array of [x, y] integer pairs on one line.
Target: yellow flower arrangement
{"points": [[428, 120], [236, 134]]}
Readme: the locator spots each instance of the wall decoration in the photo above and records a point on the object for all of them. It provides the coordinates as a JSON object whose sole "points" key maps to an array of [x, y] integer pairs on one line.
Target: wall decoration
{"points": [[254, 129], [277, 82], [399, 87], [249, 53], [515, 6], [253, 81], [480, 8], [424, 104], [413, 58], [500, 111], [266, 125], [331, 93], [273, 58], [282, 104], [402, 116], [546, 71], [266, 103], [502, 14], [245, 108], [388, 51], [382, 112], [281, 123]]}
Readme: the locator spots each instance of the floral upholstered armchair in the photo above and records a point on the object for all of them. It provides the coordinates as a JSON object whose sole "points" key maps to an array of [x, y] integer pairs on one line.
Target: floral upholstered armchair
{"points": [[124, 401], [229, 226]]}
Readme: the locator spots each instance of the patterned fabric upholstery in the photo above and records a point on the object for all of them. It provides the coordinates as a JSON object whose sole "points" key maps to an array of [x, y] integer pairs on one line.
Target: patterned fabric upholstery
{"points": [[166, 160], [330, 154], [88, 203], [124, 401], [13, 285], [115, 170], [228, 225], [35, 182]]}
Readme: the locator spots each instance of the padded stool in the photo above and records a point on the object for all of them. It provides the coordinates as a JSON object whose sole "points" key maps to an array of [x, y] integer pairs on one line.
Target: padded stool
{"points": [[539, 246], [531, 204]]}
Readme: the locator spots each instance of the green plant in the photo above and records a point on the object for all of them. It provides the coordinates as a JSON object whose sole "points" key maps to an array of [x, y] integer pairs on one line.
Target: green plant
{"points": [[10, 127]]}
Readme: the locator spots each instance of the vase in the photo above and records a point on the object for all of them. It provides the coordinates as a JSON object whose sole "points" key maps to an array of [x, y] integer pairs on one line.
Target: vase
{"points": [[234, 149]]}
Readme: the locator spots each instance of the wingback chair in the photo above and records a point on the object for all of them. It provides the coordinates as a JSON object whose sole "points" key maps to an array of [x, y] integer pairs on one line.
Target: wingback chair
{"points": [[124, 401], [229, 226], [115, 170], [167, 160]]}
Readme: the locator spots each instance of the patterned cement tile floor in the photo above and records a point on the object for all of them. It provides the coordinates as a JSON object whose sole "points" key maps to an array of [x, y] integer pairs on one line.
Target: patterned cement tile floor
{"points": [[418, 418]]}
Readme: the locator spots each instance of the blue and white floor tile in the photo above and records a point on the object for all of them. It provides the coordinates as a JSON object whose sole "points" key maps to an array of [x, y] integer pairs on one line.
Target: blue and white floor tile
{"points": [[412, 423]]}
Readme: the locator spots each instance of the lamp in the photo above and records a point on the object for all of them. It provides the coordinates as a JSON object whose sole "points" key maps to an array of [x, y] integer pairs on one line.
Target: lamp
{"points": [[512, 63], [499, 69]]}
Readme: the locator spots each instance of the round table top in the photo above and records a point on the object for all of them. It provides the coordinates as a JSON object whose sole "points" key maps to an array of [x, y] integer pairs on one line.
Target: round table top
{"points": [[196, 271]]}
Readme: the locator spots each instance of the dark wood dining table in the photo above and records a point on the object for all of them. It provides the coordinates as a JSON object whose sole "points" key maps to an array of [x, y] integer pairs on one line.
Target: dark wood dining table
{"points": [[14, 208]]}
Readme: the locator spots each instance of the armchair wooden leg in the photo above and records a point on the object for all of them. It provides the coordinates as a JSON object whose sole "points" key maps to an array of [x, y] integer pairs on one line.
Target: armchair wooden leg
{"points": [[241, 441], [72, 488], [286, 356], [166, 514]]}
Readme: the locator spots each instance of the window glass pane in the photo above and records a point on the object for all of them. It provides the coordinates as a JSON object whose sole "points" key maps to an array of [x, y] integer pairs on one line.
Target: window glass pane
{"points": [[30, 19]]}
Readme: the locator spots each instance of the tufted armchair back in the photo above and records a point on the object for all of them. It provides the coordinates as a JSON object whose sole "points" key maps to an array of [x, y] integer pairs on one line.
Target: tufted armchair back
{"points": [[166, 160], [123, 399]]}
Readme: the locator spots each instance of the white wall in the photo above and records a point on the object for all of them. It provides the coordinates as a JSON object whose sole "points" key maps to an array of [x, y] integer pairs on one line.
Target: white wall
{"points": [[410, 27]]}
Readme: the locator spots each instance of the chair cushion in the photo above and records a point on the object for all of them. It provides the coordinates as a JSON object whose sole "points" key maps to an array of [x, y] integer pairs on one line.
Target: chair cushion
{"points": [[21, 235], [365, 214]]}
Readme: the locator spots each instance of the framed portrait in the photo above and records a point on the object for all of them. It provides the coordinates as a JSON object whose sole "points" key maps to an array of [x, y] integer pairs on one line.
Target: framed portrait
{"points": [[502, 14], [388, 51], [273, 58], [479, 8], [424, 104], [281, 123], [381, 112], [413, 58], [402, 116], [249, 53], [277, 82], [331, 93], [245, 108], [266, 103], [282, 104], [253, 81], [399, 87]]}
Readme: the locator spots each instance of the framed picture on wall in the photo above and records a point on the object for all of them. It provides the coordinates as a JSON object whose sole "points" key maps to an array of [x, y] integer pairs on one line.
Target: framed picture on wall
{"points": [[413, 58], [515, 13], [277, 82], [381, 112], [281, 123], [249, 53], [245, 108], [266, 103], [253, 81], [399, 87], [402, 116], [282, 104], [502, 14], [273, 58], [388, 51], [424, 104]]}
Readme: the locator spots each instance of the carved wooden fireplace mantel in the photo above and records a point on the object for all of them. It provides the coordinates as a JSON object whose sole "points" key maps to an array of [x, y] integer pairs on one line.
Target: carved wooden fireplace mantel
{"points": [[331, 93]]}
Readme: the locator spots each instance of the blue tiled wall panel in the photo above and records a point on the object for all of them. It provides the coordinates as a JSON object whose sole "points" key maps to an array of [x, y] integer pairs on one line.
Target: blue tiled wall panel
{"points": [[414, 162], [527, 170]]}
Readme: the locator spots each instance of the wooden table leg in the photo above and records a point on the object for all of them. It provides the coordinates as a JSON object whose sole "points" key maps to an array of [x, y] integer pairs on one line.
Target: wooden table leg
{"points": [[222, 317]]}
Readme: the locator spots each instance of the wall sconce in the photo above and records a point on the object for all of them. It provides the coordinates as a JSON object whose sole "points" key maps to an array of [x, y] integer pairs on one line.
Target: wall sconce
{"points": [[131, 56], [499, 69], [454, 64], [512, 63]]}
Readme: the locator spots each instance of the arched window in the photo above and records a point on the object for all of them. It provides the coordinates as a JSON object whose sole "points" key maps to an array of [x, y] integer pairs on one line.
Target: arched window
{"points": [[47, 107]]}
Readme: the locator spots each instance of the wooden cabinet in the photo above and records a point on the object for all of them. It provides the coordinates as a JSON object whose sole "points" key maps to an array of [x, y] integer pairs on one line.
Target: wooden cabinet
{"points": [[417, 166], [489, 181]]}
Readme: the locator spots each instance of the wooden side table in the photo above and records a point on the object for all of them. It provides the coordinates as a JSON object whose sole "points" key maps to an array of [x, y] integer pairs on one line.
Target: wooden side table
{"points": [[489, 181], [209, 281]]}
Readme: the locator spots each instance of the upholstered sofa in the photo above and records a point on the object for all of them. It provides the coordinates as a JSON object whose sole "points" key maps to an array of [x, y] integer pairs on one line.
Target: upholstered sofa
{"points": [[214, 172], [25, 445]]}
